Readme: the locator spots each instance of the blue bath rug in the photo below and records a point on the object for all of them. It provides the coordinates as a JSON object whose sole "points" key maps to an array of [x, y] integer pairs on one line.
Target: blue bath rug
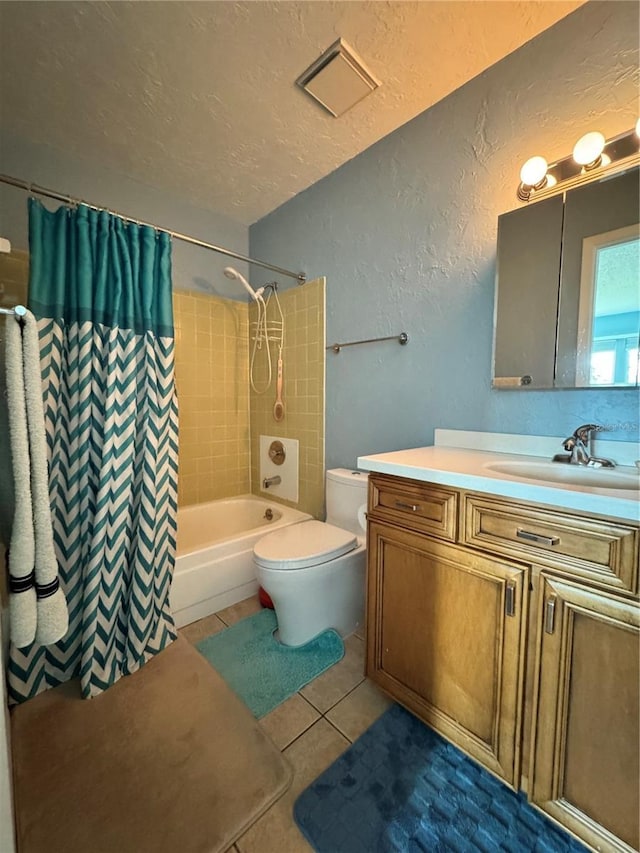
{"points": [[401, 787], [261, 671]]}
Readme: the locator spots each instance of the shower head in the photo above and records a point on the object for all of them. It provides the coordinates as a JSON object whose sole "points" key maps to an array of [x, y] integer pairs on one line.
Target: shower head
{"points": [[233, 273]]}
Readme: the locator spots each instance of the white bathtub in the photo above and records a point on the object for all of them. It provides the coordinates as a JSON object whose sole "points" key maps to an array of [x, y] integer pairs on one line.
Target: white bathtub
{"points": [[214, 562]]}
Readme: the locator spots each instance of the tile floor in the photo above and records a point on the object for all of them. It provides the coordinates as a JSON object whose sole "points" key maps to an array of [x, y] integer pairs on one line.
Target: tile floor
{"points": [[312, 728]]}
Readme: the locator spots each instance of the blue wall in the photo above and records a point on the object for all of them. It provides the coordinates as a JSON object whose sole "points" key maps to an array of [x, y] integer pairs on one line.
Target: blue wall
{"points": [[406, 235]]}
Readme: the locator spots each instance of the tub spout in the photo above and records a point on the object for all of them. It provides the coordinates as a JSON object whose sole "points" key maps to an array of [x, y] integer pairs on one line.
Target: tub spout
{"points": [[271, 481]]}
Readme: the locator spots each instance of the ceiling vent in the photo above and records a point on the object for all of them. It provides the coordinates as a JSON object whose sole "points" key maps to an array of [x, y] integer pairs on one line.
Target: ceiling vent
{"points": [[338, 79]]}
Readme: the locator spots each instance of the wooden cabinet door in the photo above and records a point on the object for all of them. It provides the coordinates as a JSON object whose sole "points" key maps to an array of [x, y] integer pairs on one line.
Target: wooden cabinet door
{"points": [[445, 637], [584, 760]]}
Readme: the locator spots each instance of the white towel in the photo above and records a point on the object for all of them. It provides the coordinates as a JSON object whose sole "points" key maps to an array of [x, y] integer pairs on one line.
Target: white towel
{"points": [[32, 531], [22, 588]]}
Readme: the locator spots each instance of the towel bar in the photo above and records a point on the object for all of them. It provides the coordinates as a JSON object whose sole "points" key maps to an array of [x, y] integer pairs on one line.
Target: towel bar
{"points": [[402, 339]]}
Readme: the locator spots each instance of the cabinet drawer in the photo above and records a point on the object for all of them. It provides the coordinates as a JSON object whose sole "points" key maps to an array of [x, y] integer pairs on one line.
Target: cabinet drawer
{"points": [[415, 505], [602, 551]]}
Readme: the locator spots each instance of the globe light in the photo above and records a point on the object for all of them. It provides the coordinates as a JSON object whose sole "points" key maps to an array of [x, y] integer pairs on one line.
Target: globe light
{"points": [[533, 171], [588, 149]]}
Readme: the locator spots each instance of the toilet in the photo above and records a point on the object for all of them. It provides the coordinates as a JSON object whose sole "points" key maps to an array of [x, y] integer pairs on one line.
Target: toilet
{"points": [[315, 571]]}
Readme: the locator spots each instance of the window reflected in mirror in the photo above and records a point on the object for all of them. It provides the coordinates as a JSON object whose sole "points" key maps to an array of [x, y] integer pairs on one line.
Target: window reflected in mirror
{"points": [[609, 309]]}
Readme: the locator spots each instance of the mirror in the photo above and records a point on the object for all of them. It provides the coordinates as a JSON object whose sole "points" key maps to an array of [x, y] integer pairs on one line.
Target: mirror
{"points": [[567, 311]]}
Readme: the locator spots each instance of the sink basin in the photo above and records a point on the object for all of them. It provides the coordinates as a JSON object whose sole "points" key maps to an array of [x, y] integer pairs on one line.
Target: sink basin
{"points": [[570, 475]]}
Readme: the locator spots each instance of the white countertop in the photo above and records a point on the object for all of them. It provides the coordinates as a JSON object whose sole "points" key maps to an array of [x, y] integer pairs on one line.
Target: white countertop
{"points": [[467, 469]]}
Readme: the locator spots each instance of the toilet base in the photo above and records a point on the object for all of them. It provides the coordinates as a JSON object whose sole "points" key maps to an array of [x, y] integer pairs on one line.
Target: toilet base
{"points": [[308, 601]]}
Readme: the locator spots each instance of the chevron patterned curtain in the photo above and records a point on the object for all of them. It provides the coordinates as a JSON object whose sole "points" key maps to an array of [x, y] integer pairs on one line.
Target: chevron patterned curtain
{"points": [[101, 290]]}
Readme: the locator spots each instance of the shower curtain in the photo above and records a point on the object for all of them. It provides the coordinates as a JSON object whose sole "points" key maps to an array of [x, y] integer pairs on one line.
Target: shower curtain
{"points": [[101, 291]]}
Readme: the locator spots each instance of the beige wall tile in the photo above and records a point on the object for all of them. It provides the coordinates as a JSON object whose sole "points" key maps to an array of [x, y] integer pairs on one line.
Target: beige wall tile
{"points": [[212, 382], [303, 392]]}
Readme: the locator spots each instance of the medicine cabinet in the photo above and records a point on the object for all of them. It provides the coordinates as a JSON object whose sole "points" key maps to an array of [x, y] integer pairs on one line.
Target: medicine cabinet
{"points": [[567, 311]]}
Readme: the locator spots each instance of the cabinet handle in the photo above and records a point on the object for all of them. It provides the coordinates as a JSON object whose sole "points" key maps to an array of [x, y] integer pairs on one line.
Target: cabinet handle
{"points": [[412, 507], [510, 599], [550, 615], [536, 537]]}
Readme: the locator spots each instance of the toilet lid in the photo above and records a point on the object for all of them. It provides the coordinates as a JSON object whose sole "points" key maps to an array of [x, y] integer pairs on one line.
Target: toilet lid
{"points": [[302, 545]]}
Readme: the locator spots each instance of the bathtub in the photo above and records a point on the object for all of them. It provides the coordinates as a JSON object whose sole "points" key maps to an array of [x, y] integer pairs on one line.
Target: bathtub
{"points": [[214, 561]]}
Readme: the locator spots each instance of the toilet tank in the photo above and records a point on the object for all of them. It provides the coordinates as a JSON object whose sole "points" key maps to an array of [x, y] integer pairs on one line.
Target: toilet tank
{"points": [[346, 494]]}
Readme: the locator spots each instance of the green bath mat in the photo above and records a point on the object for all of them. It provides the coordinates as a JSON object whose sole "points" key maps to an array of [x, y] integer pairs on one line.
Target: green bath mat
{"points": [[261, 671]]}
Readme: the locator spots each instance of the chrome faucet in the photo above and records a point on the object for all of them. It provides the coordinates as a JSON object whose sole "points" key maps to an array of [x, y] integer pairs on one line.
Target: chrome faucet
{"points": [[578, 446], [271, 481]]}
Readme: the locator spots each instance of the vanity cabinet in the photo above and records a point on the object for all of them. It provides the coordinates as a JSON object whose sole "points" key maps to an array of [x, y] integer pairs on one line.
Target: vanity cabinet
{"points": [[585, 768], [512, 629]]}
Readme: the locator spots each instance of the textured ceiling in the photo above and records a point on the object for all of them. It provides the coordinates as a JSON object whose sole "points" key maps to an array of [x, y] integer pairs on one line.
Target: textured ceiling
{"points": [[198, 98]]}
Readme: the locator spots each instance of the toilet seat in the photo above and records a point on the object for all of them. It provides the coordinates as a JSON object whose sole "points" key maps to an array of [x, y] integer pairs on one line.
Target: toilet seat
{"points": [[300, 546]]}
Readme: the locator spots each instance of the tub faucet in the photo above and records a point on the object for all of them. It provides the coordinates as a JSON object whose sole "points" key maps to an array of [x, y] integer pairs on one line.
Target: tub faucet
{"points": [[271, 481], [578, 447]]}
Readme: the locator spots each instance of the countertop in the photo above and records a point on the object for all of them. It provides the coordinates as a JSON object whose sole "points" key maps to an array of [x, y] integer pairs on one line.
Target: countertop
{"points": [[466, 469]]}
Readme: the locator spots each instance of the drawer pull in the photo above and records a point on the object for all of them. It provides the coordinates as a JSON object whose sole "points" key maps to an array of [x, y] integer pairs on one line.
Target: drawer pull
{"points": [[536, 537], [550, 615], [510, 598], [412, 507]]}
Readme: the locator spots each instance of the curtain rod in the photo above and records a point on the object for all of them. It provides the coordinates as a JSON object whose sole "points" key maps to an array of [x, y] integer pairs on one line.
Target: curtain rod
{"points": [[38, 190]]}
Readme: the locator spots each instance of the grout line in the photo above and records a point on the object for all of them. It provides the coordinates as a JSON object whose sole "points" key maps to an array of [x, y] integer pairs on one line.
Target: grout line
{"points": [[297, 737], [341, 733], [304, 698], [304, 731], [310, 702], [337, 702]]}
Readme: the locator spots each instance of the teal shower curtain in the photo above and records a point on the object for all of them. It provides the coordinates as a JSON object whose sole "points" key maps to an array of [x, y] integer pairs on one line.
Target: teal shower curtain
{"points": [[101, 291]]}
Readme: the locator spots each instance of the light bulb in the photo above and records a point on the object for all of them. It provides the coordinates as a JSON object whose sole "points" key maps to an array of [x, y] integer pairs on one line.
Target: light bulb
{"points": [[533, 171], [588, 149]]}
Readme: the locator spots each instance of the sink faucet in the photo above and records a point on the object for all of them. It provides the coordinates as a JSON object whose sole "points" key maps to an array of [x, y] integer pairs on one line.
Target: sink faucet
{"points": [[578, 447]]}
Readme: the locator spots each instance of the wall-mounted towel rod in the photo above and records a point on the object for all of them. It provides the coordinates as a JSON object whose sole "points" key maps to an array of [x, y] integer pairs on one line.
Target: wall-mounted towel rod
{"points": [[18, 311], [402, 338], [34, 189]]}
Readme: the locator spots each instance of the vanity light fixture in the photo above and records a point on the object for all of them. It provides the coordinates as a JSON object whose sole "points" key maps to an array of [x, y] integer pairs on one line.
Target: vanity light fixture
{"points": [[591, 154]]}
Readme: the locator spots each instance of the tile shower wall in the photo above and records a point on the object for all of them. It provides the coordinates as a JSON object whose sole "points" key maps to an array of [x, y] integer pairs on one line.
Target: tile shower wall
{"points": [[212, 382], [303, 390]]}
